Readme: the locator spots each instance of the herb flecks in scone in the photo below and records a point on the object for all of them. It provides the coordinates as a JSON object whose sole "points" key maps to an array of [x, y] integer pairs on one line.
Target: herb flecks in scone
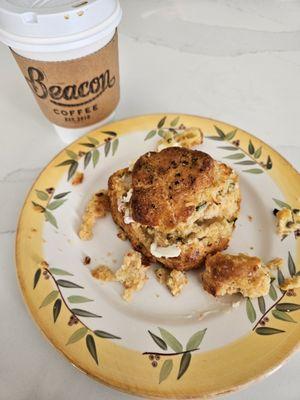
{"points": [[132, 274], [176, 206], [78, 178], [97, 207], [229, 274]]}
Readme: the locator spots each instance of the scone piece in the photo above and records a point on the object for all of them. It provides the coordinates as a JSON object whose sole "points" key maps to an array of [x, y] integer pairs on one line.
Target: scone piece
{"points": [[291, 283], [97, 207], [189, 138], [229, 274], [103, 273], [132, 274], [287, 221], [176, 206], [176, 281]]}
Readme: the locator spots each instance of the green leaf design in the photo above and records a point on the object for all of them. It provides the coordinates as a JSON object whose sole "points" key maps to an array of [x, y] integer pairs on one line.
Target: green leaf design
{"points": [[66, 162], [72, 169], [233, 148], [87, 159], [58, 271], [230, 135], [49, 298], [282, 204], [115, 145], [288, 307], [55, 204], [261, 304], [291, 265], [36, 277], [77, 335], [220, 132], [237, 156], [93, 140], [56, 309], [165, 370], [49, 217], [89, 145], [71, 154], [60, 195], [161, 133], [218, 138], [272, 292], [78, 299], [195, 340], [280, 277], [257, 153], [184, 364], [269, 163], [110, 133], [254, 171], [107, 147], [68, 284], [251, 148], [250, 310], [267, 331], [84, 313], [91, 346], [41, 195], [171, 340], [105, 335], [150, 135], [95, 156], [161, 122], [283, 316], [246, 162], [160, 342], [175, 121]]}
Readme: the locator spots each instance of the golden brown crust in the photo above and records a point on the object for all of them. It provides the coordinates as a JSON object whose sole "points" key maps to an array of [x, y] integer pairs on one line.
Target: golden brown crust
{"points": [[228, 274], [164, 182]]}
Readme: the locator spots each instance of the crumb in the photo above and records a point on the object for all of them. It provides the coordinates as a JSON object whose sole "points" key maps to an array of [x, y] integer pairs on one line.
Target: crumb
{"points": [[122, 235], [157, 295], [33, 230], [86, 260], [109, 254], [275, 263], [291, 283], [97, 207], [78, 178], [60, 249], [44, 264], [162, 275], [103, 273], [114, 261], [250, 218], [251, 248], [190, 138], [176, 281], [132, 274]]}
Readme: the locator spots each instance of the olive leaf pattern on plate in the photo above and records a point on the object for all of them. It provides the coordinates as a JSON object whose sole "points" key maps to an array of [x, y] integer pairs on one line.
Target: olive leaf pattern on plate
{"points": [[57, 299], [279, 310], [90, 154], [162, 127], [252, 157], [164, 360], [48, 202], [295, 212]]}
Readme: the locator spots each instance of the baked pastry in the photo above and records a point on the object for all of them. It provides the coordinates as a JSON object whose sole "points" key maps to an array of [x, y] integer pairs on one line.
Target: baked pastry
{"points": [[229, 274], [176, 206]]}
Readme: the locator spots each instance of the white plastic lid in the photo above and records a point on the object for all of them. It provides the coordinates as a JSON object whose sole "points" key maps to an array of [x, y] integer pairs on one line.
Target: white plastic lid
{"points": [[55, 25]]}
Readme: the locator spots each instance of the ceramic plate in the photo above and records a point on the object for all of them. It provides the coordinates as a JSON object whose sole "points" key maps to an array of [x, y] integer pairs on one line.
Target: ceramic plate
{"points": [[157, 345]]}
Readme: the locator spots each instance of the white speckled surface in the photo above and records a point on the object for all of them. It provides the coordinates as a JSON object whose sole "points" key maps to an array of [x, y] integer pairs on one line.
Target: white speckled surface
{"points": [[237, 61]]}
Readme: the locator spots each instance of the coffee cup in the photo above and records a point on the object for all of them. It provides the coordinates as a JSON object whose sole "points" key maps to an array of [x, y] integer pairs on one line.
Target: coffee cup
{"points": [[68, 54]]}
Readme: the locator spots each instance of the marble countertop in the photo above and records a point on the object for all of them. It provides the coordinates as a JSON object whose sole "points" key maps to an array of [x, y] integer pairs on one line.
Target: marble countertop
{"points": [[236, 61]]}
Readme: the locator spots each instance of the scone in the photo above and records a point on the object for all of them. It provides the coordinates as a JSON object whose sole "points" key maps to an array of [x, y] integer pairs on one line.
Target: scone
{"points": [[229, 274], [176, 206]]}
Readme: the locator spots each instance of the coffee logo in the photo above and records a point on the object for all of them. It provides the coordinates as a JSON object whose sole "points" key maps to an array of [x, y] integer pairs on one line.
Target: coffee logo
{"points": [[57, 93]]}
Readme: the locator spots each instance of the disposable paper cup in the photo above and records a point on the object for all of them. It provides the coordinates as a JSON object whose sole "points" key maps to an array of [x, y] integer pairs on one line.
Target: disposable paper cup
{"points": [[68, 55]]}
